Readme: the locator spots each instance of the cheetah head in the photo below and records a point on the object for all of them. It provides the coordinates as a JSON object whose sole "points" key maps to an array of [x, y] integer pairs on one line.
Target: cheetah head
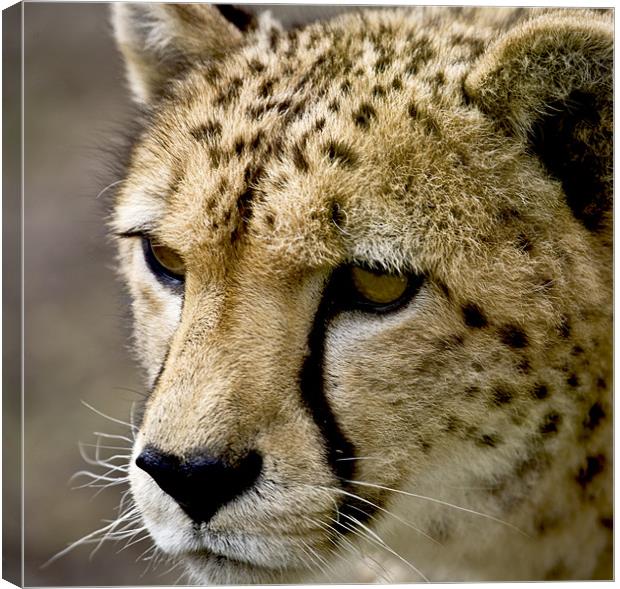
{"points": [[369, 262]]}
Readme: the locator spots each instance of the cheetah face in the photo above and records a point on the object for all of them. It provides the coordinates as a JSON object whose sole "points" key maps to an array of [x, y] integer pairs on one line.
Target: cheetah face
{"points": [[372, 308]]}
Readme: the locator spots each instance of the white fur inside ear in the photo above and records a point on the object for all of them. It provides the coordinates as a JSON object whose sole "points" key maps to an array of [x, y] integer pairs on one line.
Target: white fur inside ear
{"points": [[160, 40], [140, 36]]}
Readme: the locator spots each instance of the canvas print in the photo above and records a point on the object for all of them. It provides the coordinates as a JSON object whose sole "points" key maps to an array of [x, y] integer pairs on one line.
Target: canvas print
{"points": [[357, 310]]}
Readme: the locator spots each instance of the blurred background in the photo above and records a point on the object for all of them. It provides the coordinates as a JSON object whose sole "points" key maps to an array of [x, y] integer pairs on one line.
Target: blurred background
{"points": [[76, 320]]}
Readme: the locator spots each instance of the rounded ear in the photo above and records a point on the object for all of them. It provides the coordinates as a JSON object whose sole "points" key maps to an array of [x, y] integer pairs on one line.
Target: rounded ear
{"points": [[550, 82], [158, 41]]}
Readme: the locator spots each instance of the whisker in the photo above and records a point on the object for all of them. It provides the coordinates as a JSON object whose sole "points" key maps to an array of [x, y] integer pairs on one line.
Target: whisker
{"points": [[383, 510], [113, 436], [86, 445], [440, 502], [92, 536], [113, 419], [102, 192], [385, 546]]}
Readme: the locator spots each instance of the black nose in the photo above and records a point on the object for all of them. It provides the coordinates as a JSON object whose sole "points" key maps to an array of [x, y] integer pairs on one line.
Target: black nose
{"points": [[200, 484]]}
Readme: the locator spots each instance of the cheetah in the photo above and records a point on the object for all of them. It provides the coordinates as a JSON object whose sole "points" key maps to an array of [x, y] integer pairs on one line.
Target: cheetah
{"points": [[370, 264]]}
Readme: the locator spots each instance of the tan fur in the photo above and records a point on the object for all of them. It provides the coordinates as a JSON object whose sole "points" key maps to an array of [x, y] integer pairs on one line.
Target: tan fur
{"points": [[402, 139]]}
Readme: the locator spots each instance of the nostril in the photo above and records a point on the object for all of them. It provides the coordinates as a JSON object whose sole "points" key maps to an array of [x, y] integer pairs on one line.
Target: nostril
{"points": [[201, 484]]}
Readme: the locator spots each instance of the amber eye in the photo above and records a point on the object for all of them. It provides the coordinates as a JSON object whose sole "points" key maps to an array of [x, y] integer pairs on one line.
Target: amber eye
{"points": [[377, 288], [164, 262]]}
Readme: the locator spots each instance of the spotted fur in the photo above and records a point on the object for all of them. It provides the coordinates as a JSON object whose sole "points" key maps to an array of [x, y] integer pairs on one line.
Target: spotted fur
{"points": [[463, 436]]}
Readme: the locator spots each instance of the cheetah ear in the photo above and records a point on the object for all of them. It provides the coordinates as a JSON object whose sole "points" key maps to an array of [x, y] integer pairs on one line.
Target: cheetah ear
{"points": [[159, 41], [550, 82]]}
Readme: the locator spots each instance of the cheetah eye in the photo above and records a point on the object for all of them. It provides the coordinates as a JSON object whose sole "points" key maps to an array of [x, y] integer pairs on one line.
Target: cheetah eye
{"points": [[381, 291], [164, 262]]}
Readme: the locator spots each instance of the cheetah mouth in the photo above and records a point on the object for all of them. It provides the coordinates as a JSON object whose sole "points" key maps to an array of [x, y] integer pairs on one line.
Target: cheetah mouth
{"points": [[268, 553], [235, 566]]}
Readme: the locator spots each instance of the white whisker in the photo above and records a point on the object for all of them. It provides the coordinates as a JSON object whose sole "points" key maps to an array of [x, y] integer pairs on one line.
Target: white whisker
{"points": [[381, 543], [113, 436], [102, 192], [113, 419], [440, 502], [383, 510]]}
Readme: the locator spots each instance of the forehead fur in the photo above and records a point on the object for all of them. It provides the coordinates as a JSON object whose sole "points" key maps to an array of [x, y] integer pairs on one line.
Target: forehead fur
{"points": [[389, 163]]}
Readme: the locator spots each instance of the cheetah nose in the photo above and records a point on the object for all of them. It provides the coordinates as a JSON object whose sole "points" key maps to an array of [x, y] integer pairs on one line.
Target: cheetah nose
{"points": [[200, 484]]}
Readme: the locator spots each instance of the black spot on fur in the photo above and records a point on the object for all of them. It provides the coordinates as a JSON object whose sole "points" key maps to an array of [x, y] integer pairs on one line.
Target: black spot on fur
{"points": [[211, 73], [594, 417], [421, 54], [453, 424], [550, 423], [299, 158], [540, 391], [501, 396], [413, 111], [536, 461], [397, 83], [345, 87], [270, 220], [474, 316], [363, 115], [274, 38], [337, 214], [524, 366], [341, 153], [215, 157], [239, 146], [334, 105], [594, 465], [252, 174], [601, 383], [266, 89], [440, 78], [508, 215], [573, 381], [256, 66], [282, 106], [244, 21], [523, 243], [490, 440], [231, 93], [207, 132], [244, 204], [513, 336], [256, 141], [382, 64], [564, 329], [577, 351], [472, 392], [319, 124], [378, 91]]}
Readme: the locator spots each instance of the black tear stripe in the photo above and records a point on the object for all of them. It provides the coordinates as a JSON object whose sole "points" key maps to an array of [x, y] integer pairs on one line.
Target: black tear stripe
{"points": [[140, 407], [338, 447]]}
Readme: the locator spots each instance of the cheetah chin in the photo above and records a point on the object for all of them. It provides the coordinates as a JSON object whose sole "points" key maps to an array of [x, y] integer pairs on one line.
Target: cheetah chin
{"points": [[370, 265]]}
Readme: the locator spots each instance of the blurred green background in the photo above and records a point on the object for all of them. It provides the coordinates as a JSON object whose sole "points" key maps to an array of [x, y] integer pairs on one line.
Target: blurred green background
{"points": [[76, 320]]}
